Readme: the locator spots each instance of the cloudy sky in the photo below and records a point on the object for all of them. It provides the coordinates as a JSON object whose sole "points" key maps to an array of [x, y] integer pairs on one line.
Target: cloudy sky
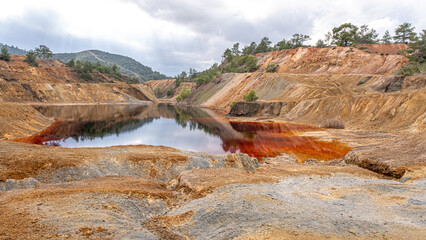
{"points": [[173, 35]]}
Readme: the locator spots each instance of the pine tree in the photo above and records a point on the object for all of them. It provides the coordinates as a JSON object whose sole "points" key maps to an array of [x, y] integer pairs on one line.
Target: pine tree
{"points": [[404, 33], [264, 45], [4, 55], [386, 37], [345, 34], [43, 52]]}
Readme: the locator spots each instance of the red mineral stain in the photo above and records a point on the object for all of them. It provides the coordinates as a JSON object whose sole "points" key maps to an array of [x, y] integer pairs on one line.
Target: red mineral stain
{"points": [[257, 139], [271, 139]]}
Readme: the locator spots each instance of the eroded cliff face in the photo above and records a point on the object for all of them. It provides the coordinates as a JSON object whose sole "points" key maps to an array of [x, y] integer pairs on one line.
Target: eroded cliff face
{"points": [[52, 82], [162, 87], [336, 60], [380, 111], [20, 121], [313, 85]]}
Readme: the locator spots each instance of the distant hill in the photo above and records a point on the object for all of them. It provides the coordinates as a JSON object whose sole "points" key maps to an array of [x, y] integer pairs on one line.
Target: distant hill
{"points": [[126, 65], [14, 50]]}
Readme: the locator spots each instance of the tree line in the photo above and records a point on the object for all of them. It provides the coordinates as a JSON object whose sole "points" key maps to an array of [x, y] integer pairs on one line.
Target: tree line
{"points": [[40, 52], [347, 34], [86, 68]]}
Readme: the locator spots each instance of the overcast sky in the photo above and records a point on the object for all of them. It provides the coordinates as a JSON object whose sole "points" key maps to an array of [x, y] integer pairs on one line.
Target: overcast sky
{"points": [[173, 35]]}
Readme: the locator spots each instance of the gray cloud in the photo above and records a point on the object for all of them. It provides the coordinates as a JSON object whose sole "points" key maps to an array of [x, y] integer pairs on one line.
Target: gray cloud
{"points": [[206, 28]]}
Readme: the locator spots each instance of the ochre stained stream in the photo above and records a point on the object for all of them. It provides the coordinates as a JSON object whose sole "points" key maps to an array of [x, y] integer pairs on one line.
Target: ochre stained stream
{"points": [[188, 129]]}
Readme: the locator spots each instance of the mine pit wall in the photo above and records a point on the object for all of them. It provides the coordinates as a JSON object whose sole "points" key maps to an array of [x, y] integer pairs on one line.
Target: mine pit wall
{"points": [[385, 112], [361, 100], [160, 88], [76, 93], [20, 121], [335, 60]]}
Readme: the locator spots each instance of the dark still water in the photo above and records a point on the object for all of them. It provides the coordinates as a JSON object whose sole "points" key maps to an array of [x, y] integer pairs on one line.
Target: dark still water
{"points": [[190, 129]]}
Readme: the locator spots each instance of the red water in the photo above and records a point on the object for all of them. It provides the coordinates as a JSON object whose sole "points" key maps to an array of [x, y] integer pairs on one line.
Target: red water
{"points": [[257, 139]]}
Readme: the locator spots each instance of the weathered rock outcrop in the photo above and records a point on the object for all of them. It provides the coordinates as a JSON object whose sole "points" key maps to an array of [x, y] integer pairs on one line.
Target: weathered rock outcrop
{"points": [[162, 87], [20, 121], [76, 93], [336, 60], [123, 186], [52, 82]]}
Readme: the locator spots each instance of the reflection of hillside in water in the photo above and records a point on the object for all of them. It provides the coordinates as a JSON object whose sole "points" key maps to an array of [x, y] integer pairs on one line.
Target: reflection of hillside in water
{"points": [[91, 122], [259, 140]]}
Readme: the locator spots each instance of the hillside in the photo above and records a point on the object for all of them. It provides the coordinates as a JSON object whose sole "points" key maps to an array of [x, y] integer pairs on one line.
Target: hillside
{"points": [[126, 65], [14, 50], [53, 82], [382, 114], [311, 85]]}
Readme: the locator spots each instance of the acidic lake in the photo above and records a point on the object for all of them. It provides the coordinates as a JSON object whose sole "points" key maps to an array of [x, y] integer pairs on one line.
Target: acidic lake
{"points": [[191, 129]]}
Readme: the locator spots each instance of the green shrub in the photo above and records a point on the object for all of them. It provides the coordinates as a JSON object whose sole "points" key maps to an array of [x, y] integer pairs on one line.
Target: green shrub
{"points": [[86, 75], [362, 48], [410, 69], [271, 68], [241, 64], [4, 55], [183, 94], [169, 92], [232, 104], [31, 58], [157, 92], [70, 63], [251, 96]]}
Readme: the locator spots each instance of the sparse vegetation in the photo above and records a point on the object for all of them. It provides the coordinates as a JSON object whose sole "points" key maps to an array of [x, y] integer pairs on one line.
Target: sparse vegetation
{"points": [[4, 55], [417, 49], [205, 76], [180, 78], [31, 58], [417, 54], [232, 104], [157, 92], [71, 63], [251, 96], [404, 33], [334, 123], [126, 65], [169, 92], [410, 69], [86, 68], [386, 37], [87, 76], [14, 50], [183, 94], [271, 68], [235, 60], [320, 44], [240, 64], [345, 34], [43, 52]]}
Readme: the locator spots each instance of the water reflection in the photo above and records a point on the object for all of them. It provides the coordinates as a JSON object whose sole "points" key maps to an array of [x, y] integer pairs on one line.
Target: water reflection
{"points": [[191, 129]]}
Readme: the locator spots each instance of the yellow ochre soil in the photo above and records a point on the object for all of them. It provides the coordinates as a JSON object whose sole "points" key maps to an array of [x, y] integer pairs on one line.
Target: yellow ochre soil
{"points": [[377, 191]]}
